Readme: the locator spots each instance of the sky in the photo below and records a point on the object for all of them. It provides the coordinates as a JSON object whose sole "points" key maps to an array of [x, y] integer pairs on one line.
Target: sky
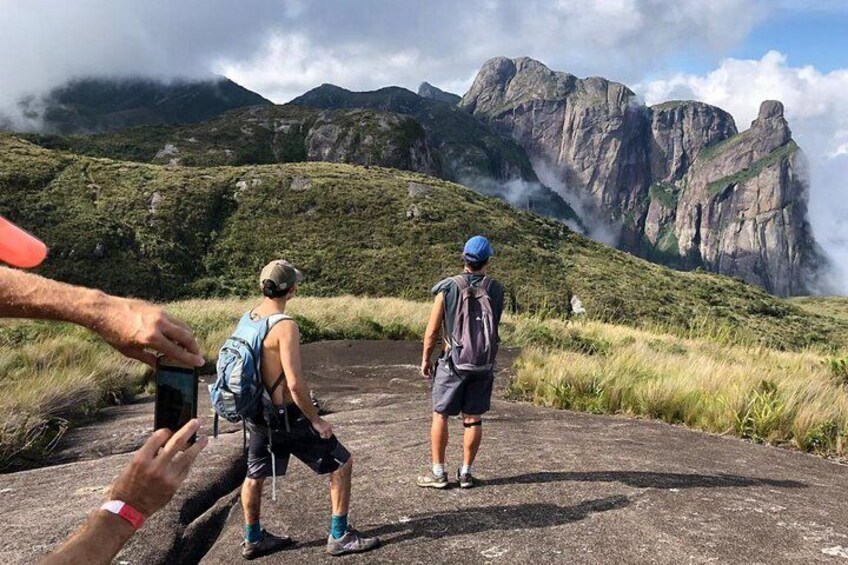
{"points": [[731, 53]]}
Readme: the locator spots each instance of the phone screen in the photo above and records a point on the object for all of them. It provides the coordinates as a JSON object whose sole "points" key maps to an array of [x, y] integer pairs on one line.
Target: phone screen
{"points": [[176, 397]]}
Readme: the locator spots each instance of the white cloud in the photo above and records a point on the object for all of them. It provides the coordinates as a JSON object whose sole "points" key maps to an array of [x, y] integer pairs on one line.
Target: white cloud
{"points": [[817, 110], [280, 46]]}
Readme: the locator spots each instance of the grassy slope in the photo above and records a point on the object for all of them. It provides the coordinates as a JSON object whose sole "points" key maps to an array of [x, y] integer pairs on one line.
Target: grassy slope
{"points": [[830, 306], [52, 374], [213, 228], [256, 135]]}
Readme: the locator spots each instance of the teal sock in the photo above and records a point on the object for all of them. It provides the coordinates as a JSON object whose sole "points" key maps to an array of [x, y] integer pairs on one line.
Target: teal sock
{"points": [[253, 532], [338, 526]]}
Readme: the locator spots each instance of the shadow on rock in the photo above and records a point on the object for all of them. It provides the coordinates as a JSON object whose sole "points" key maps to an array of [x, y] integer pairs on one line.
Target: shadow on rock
{"points": [[437, 525], [645, 479]]}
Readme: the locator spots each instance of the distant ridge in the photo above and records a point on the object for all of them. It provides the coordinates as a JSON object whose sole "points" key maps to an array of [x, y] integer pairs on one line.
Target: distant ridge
{"points": [[92, 105]]}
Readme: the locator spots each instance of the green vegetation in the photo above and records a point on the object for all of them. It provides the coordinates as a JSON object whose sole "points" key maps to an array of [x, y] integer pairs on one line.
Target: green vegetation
{"points": [[466, 147], [777, 156], [665, 193], [791, 399], [835, 307], [55, 375], [711, 151], [259, 135], [667, 242], [177, 232], [671, 104]]}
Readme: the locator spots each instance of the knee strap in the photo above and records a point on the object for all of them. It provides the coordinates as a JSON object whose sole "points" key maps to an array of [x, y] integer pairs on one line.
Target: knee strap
{"points": [[472, 424]]}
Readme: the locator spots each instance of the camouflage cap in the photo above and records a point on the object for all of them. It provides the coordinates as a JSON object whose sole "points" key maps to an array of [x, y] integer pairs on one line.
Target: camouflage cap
{"points": [[282, 273]]}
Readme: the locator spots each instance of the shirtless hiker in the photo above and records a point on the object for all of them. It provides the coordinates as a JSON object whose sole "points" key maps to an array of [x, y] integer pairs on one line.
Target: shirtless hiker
{"points": [[291, 425]]}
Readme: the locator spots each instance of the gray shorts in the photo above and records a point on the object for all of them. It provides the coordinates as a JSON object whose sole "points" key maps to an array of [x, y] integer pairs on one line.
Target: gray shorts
{"points": [[453, 393]]}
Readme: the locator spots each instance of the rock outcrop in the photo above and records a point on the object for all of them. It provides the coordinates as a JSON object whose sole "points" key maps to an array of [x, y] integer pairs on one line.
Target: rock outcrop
{"points": [[678, 180], [427, 90], [466, 150], [541, 501]]}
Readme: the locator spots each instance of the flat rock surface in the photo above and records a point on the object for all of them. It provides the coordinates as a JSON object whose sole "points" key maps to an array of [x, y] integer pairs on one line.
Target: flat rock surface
{"points": [[559, 487]]}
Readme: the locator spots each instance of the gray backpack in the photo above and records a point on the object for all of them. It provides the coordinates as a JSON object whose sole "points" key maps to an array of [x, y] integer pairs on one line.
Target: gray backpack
{"points": [[474, 339]]}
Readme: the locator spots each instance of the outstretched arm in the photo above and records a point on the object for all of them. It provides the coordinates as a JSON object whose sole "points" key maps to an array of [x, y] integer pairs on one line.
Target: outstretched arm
{"points": [[146, 484], [130, 326], [431, 334]]}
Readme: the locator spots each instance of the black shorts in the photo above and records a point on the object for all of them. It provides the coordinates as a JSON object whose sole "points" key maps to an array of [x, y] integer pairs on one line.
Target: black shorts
{"points": [[452, 393], [321, 455]]}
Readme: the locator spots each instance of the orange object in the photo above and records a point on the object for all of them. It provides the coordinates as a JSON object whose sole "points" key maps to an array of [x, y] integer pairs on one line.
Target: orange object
{"points": [[19, 248]]}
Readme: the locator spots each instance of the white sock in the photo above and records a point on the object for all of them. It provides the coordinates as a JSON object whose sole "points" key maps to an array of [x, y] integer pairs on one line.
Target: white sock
{"points": [[438, 469], [466, 469]]}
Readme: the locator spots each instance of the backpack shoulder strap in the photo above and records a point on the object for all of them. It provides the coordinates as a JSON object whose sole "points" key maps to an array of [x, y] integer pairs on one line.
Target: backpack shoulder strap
{"points": [[461, 282], [274, 319]]}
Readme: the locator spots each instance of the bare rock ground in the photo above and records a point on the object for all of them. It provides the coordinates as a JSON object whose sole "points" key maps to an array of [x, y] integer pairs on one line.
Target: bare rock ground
{"points": [[559, 486]]}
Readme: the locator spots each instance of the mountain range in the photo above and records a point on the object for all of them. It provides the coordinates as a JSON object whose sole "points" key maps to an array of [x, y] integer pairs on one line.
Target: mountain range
{"points": [[675, 183]]}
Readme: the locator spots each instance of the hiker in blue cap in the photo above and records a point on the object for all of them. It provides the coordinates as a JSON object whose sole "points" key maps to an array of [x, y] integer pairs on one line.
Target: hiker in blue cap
{"points": [[466, 311]]}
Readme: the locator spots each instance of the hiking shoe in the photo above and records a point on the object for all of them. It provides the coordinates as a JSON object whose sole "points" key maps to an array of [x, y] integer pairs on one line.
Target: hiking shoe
{"points": [[466, 480], [351, 542], [432, 481], [268, 544]]}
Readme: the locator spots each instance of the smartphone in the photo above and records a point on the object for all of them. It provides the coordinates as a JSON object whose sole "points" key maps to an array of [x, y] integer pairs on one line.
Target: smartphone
{"points": [[176, 396]]}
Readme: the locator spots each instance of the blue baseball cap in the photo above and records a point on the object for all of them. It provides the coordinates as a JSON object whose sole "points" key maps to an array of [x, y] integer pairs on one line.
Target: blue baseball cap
{"points": [[478, 249]]}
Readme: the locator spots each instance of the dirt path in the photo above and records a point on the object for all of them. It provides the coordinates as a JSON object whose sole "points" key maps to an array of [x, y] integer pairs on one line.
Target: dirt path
{"points": [[560, 487]]}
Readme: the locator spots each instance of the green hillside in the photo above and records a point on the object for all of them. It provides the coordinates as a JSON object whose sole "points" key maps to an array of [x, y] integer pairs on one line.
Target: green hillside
{"points": [[256, 136], [172, 232]]}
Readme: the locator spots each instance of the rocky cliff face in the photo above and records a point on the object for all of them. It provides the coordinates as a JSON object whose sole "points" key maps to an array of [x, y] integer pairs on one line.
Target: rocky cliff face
{"points": [[742, 208], [684, 187], [466, 151], [591, 131]]}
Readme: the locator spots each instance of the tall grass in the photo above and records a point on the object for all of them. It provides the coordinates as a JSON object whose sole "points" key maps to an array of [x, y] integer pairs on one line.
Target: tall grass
{"points": [[769, 396], [51, 375], [54, 375], [49, 381]]}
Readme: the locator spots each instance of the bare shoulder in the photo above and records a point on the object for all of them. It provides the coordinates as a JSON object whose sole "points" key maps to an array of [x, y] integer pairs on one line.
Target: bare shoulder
{"points": [[284, 329]]}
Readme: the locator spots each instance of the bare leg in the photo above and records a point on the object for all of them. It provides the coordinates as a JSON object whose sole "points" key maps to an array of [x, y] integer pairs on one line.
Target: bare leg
{"points": [[471, 440], [251, 499], [340, 488], [438, 437]]}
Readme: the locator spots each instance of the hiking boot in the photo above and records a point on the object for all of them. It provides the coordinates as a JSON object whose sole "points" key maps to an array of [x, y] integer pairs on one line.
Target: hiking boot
{"points": [[432, 481], [268, 544], [466, 480], [351, 542]]}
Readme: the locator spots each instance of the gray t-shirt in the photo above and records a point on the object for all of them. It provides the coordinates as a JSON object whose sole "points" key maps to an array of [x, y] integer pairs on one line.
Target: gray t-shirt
{"points": [[451, 292]]}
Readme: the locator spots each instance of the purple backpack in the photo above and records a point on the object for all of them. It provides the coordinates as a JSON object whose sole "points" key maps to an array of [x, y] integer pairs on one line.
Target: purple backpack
{"points": [[474, 339]]}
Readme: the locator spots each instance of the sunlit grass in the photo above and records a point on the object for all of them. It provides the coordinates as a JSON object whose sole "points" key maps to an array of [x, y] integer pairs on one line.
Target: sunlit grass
{"points": [[51, 375], [752, 392]]}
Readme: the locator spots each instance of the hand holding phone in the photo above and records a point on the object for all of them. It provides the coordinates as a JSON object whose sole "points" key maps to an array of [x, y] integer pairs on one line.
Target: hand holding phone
{"points": [[176, 396]]}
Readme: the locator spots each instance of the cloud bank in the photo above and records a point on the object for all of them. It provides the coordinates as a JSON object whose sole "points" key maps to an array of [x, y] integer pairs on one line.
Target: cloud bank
{"points": [[282, 47]]}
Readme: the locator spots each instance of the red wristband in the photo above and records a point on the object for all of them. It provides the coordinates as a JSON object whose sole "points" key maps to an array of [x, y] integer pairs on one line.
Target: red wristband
{"points": [[125, 511]]}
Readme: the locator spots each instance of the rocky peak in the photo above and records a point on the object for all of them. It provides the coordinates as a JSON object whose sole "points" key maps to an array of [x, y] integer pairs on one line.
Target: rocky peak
{"points": [[504, 83], [427, 90], [770, 109], [770, 129], [683, 185]]}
